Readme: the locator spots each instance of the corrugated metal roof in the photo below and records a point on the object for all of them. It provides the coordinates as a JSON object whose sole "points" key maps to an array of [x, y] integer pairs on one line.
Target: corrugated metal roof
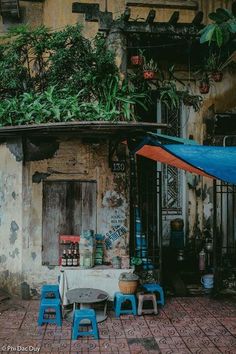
{"points": [[83, 129]]}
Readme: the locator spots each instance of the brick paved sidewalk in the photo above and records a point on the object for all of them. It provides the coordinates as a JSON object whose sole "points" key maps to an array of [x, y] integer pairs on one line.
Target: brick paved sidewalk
{"points": [[184, 325]]}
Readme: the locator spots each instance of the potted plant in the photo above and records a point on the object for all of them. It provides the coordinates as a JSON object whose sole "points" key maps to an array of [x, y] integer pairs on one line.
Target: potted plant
{"points": [[128, 282], [137, 59], [169, 95], [221, 28], [192, 100], [204, 86], [136, 263], [149, 70], [213, 65]]}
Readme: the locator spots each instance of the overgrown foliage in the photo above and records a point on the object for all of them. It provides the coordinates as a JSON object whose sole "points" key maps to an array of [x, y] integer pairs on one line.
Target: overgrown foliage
{"points": [[61, 76], [221, 29]]}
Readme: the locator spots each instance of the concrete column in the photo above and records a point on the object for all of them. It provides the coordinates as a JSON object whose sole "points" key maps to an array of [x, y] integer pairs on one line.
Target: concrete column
{"points": [[117, 42]]}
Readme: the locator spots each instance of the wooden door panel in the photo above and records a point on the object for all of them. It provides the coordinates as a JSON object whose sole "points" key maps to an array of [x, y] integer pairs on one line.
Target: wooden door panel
{"points": [[69, 207]]}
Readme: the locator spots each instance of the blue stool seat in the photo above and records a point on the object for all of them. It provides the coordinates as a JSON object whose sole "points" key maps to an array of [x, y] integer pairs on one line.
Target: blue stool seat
{"points": [[119, 298], [152, 288], [88, 315], [47, 304], [50, 291]]}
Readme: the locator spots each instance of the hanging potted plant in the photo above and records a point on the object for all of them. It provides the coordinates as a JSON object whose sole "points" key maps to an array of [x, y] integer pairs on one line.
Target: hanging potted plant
{"points": [[204, 86], [190, 100], [214, 66], [149, 70], [137, 59], [169, 95]]}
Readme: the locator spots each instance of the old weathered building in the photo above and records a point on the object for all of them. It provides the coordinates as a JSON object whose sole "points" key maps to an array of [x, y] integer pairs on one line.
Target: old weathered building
{"points": [[76, 164]]}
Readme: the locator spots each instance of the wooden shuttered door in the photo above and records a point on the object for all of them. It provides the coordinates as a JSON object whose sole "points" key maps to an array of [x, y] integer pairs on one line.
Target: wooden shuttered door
{"points": [[69, 207]]}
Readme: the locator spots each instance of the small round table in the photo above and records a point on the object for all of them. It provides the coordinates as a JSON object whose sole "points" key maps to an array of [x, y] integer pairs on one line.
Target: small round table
{"points": [[86, 297]]}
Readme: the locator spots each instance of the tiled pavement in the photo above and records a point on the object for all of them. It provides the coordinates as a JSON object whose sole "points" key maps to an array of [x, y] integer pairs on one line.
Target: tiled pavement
{"points": [[183, 325]]}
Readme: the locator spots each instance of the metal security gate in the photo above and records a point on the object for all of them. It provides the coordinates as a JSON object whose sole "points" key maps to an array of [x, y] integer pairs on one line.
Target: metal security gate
{"points": [[150, 204], [224, 236]]}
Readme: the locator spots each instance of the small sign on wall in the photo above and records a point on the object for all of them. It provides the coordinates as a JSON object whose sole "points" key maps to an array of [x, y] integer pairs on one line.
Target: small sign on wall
{"points": [[118, 166]]}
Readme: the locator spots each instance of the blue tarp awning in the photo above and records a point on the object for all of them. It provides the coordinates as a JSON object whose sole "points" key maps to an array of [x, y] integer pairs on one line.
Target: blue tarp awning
{"points": [[211, 161]]}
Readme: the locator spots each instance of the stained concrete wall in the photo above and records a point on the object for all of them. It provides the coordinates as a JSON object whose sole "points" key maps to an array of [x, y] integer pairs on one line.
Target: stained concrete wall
{"points": [[11, 202], [72, 161], [221, 98]]}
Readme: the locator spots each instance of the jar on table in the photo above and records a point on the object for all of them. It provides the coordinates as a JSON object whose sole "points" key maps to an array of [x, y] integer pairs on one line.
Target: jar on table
{"points": [[87, 259]]}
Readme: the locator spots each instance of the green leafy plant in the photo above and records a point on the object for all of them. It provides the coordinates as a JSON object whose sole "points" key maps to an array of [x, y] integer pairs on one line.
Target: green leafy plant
{"points": [[192, 100], [120, 98], [213, 63], [61, 76], [221, 29], [136, 261], [150, 65], [169, 95]]}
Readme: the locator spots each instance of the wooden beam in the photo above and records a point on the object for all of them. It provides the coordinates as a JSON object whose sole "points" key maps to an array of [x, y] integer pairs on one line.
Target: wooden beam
{"points": [[198, 18], [179, 30], [174, 18], [151, 16], [165, 4], [91, 11]]}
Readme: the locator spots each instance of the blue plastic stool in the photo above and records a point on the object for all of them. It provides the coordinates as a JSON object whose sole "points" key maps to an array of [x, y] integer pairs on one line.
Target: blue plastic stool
{"points": [[46, 304], [84, 314], [152, 288], [50, 292], [119, 299]]}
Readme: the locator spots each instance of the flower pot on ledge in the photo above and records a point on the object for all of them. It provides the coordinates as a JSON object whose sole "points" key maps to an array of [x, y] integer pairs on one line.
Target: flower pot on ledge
{"points": [[217, 76], [204, 88], [136, 60], [149, 74]]}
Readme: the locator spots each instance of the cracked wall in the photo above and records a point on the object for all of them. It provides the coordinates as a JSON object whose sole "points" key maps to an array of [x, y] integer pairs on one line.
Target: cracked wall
{"points": [[74, 160], [221, 98], [10, 217]]}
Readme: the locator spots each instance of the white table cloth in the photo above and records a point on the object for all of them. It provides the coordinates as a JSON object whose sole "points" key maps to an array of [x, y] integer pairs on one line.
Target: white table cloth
{"points": [[105, 279]]}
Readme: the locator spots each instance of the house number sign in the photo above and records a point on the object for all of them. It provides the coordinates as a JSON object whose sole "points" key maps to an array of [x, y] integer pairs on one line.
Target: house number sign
{"points": [[118, 166]]}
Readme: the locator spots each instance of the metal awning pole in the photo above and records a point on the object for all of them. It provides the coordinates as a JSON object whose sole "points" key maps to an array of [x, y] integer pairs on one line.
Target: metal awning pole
{"points": [[214, 229], [133, 200]]}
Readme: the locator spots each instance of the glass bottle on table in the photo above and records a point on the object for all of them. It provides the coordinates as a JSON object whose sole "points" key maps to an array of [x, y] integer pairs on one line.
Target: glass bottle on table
{"points": [[76, 246], [64, 259], [75, 259], [69, 259]]}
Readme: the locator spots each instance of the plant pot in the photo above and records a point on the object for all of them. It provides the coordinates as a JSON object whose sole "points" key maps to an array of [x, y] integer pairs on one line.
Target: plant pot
{"points": [[136, 60], [217, 76], [149, 75], [187, 102], [177, 224], [204, 88], [128, 286]]}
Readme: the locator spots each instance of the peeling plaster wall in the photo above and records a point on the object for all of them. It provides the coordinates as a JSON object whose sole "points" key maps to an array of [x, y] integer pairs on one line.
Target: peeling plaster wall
{"points": [[221, 98], [10, 217], [78, 161]]}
